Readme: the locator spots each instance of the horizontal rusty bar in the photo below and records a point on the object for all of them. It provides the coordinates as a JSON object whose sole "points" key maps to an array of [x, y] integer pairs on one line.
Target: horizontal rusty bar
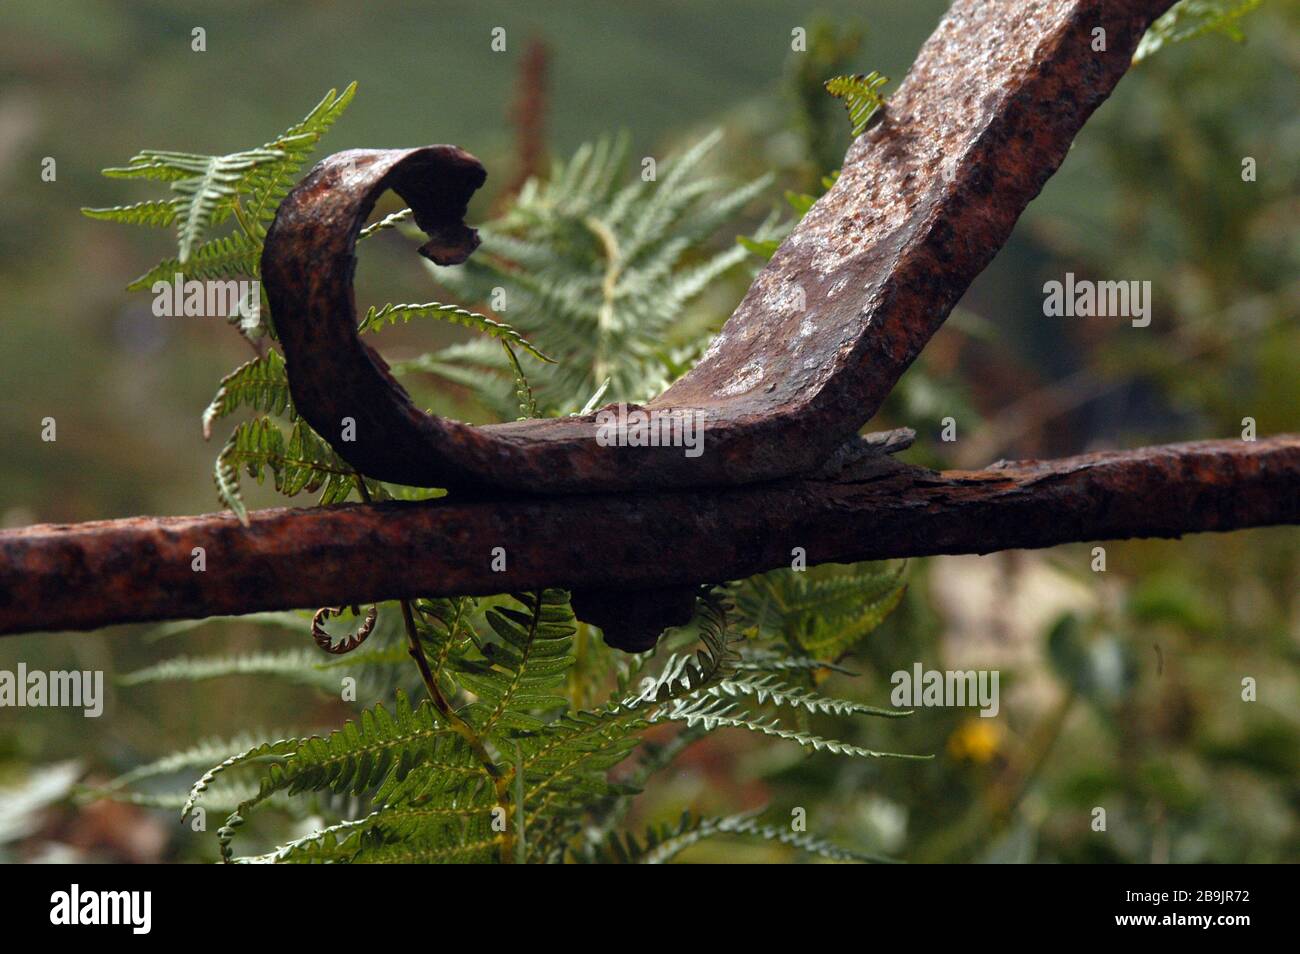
{"points": [[90, 575]]}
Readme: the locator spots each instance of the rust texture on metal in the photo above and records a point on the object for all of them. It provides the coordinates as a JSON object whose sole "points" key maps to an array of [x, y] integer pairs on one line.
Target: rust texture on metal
{"points": [[90, 575], [925, 199]]}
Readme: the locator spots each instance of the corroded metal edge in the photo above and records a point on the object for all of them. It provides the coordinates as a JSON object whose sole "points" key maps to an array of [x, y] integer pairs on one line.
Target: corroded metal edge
{"points": [[90, 575]]}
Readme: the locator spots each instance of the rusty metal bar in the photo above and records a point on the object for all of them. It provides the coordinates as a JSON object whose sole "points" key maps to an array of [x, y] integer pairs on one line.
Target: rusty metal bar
{"points": [[90, 575]]}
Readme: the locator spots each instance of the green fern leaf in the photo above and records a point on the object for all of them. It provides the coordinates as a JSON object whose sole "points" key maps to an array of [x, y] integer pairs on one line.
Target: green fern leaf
{"points": [[304, 463], [664, 844], [522, 668], [391, 314], [861, 96], [599, 268], [219, 258], [387, 222], [712, 714], [355, 759], [208, 186], [160, 213], [1192, 18], [825, 611], [262, 384], [197, 756], [272, 182], [296, 665], [769, 688]]}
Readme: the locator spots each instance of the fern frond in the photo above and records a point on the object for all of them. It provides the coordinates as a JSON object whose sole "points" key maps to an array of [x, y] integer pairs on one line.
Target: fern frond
{"points": [[354, 840], [207, 185], [479, 850], [524, 667], [712, 713], [825, 611], [360, 757], [234, 254], [217, 798], [755, 660], [297, 665], [769, 688], [273, 181], [831, 640], [446, 629], [664, 843], [390, 221], [210, 189], [286, 620], [523, 390], [391, 314], [197, 756], [1192, 18], [159, 213], [256, 755], [261, 384], [303, 463], [598, 267], [861, 96], [566, 764]]}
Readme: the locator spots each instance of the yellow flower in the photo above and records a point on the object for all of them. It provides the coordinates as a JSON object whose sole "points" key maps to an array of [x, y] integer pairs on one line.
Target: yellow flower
{"points": [[976, 739]]}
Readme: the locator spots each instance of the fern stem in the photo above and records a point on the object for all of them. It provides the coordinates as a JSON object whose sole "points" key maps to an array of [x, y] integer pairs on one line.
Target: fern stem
{"points": [[613, 271], [521, 849], [500, 781]]}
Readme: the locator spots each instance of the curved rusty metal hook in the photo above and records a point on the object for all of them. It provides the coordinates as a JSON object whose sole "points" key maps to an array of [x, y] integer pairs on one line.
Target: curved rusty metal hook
{"points": [[308, 262]]}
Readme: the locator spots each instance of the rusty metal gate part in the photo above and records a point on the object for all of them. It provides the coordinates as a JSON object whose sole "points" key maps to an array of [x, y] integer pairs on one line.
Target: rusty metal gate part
{"points": [[925, 199]]}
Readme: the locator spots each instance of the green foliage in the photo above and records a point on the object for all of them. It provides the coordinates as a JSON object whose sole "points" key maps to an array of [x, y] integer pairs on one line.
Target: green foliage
{"points": [[302, 463], [159, 213], [261, 384], [833, 48], [825, 611], [391, 314], [598, 266], [220, 258], [1192, 18], [523, 669], [249, 185], [861, 95], [662, 843], [273, 181], [297, 665], [500, 765]]}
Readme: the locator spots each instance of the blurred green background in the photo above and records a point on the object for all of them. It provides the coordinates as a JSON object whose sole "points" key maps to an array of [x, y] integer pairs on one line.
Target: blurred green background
{"points": [[1120, 689]]}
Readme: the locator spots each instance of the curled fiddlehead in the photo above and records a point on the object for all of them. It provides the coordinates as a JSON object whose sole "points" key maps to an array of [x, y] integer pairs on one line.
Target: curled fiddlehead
{"points": [[326, 642]]}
